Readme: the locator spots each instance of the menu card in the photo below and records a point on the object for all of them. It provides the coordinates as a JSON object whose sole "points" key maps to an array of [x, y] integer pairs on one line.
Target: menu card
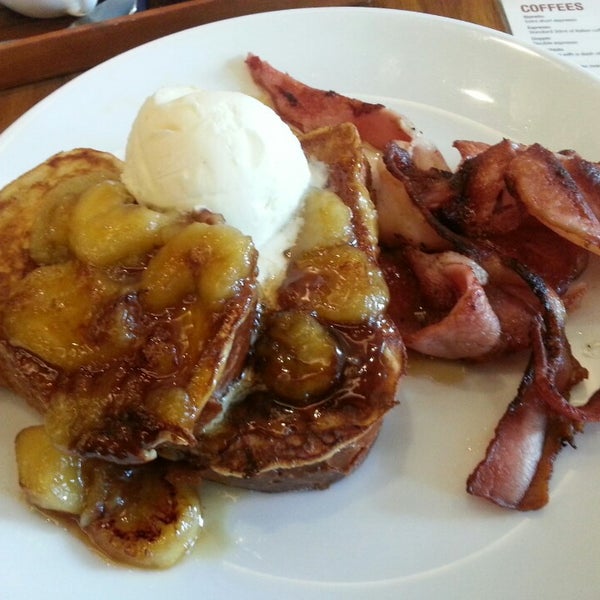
{"points": [[570, 29]]}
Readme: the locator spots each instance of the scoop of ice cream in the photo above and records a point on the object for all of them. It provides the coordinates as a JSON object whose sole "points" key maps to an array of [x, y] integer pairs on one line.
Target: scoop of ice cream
{"points": [[192, 149]]}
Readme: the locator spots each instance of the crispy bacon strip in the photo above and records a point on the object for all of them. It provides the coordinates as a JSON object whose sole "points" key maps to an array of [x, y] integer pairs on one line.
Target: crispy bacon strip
{"points": [[308, 108], [470, 328], [400, 221], [516, 470], [540, 180], [470, 148], [485, 206], [504, 181], [586, 175], [518, 464], [516, 303], [449, 199], [558, 261]]}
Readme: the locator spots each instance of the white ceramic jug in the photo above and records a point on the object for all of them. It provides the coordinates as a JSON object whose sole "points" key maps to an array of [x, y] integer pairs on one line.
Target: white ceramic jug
{"points": [[43, 9]]}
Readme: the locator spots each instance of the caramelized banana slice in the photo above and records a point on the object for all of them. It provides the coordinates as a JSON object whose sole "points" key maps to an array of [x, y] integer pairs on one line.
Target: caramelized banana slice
{"points": [[50, 479], [298, 358], [107, 227], [50, 233], [144, 516], [32, 228], [326, 221], [208, 260], [340, 283], [56, 312], [334, 270], [340, 148]]}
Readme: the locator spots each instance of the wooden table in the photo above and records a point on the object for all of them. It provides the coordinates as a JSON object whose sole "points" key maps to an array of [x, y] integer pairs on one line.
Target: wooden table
{"points": [[43, 54]]}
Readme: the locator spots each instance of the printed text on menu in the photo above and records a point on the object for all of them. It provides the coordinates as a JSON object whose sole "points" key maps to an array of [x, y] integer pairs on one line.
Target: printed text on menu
{"points": [[569, 29]]}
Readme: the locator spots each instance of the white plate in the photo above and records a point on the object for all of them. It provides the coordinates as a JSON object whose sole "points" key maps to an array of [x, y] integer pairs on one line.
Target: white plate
{"points": [[402, 526]]}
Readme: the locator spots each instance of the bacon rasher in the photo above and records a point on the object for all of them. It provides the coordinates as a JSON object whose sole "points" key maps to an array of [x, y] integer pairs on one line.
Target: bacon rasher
{"points": [[505, 305], [306, 108], [516, 470], [454, 284], [539, 179], [560, 189]]}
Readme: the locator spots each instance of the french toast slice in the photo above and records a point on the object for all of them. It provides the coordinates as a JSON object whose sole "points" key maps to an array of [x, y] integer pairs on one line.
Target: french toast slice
{"points": [[121, 324], [327, 361]]}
